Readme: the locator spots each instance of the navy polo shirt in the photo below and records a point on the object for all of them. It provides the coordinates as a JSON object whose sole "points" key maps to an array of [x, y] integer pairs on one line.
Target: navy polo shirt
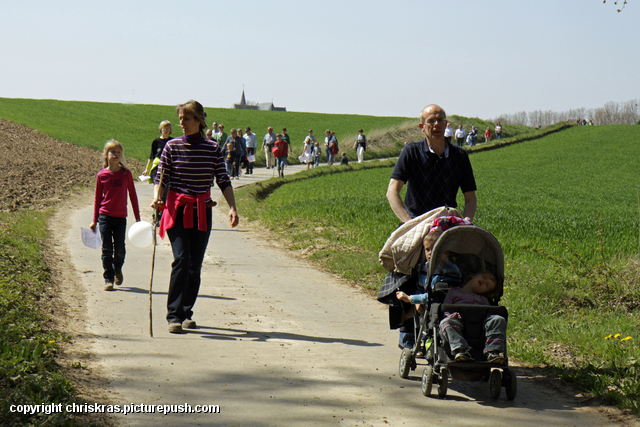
{"points": [[432, 180]]}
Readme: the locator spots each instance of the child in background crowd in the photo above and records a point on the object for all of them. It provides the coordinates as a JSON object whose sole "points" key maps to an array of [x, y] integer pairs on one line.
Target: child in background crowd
{"points": [[110, 211], [344, 160], [487, 135], [230, 159], [316, 155], [156, 149]]}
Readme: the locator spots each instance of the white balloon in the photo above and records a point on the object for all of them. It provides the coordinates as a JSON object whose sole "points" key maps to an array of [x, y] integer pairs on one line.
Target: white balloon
{"points": [[141, 234]]}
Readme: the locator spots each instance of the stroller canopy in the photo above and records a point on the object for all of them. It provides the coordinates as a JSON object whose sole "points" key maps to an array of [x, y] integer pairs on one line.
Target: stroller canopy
{"points": [[470, 240]]}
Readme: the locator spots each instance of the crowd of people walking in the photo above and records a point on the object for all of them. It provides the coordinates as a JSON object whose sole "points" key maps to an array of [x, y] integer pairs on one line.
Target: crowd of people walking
{"points": [[240, 149], [471, 138]]}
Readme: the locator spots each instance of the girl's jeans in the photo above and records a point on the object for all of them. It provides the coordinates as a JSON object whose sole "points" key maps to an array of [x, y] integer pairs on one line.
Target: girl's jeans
{"points": [[495, 329], [112, 230], [251, 151]]}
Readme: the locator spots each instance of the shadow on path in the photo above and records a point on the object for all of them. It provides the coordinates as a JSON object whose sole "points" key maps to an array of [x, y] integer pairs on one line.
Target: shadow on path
{"points": [[229, 333]]}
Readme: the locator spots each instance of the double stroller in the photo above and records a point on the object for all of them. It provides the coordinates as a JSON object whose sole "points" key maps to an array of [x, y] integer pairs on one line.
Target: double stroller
{"points": [[472, 249]]}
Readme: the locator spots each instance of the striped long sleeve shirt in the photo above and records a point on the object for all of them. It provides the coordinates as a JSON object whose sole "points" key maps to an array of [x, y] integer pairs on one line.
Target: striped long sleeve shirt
{"points": [[191, 163]]}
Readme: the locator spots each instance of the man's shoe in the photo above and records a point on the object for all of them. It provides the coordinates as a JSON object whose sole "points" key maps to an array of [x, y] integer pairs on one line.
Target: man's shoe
{"points": [[119, 278], [175, 327], [108, 286], [189, 324]]}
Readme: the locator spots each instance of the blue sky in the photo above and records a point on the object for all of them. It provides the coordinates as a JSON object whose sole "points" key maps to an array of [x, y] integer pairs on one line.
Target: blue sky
{"points": [[475, 58]]}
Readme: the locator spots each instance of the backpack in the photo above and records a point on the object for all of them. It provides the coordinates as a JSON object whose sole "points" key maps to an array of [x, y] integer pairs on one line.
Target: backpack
{"points": [[335, 149]]}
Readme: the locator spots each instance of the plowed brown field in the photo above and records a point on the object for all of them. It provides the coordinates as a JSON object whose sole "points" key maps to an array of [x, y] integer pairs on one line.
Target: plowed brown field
{"points": [[36, 171]]}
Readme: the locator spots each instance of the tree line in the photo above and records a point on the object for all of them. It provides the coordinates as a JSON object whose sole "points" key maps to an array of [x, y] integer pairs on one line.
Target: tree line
{"points": [[610, 114]]}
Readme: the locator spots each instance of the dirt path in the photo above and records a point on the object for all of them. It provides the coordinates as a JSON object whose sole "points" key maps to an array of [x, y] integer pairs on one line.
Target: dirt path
{"points": [[278, 343]]}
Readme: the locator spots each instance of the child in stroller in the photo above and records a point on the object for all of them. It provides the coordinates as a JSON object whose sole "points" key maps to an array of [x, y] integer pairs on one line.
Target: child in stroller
{"points": [[474, 291], [446, 272], [479, 353]]}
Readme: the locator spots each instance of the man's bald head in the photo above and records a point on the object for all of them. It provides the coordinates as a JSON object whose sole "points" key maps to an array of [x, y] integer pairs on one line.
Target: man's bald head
{"points": [[430, 110]]}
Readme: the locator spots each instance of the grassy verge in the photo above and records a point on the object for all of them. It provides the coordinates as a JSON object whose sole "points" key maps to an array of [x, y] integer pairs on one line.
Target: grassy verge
{"points": [[569, 234], [29, 374], [529, 134]]}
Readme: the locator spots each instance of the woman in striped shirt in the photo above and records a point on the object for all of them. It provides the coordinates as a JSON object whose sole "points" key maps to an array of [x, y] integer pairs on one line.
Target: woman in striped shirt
{"points": [[190, 164]]}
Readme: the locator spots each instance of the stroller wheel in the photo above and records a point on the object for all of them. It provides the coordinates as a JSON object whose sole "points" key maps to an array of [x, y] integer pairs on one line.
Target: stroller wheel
{"points": [[427, 380], [406, 363], [495, 383], [444, 382], [511, 386]]}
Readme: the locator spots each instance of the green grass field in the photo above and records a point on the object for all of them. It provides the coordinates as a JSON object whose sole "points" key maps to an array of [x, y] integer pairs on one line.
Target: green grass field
{"points": [[91, 124], [565, 209]]}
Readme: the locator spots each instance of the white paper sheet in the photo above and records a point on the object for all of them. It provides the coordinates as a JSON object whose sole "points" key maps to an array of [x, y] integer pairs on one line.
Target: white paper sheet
{"points": [[90, 238], [144, 177]]}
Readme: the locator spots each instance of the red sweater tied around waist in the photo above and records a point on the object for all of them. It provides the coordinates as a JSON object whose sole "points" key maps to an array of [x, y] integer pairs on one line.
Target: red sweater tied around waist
{"points": [[174, 201]]}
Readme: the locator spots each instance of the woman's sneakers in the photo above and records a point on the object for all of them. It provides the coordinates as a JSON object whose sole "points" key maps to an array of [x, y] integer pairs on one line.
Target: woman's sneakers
{"points": [[175, 326], [119, 278], [108, 285]]}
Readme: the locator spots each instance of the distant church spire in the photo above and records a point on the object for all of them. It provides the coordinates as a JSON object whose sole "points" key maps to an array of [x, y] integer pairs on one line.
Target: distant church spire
{"points": [[242, 100]]}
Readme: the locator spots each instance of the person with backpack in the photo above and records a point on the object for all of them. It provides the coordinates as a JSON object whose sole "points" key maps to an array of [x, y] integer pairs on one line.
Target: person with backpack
{"points": [[329, 142], [335, 149], [360, 145]]}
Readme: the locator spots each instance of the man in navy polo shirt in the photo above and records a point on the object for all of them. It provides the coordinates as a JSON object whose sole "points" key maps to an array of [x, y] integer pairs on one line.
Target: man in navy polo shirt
{"points": [[433, 170]]}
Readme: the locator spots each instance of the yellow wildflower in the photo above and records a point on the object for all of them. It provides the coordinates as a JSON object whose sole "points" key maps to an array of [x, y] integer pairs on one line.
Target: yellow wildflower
{"points": [[608, 336], [626, 339], [617, 336]]}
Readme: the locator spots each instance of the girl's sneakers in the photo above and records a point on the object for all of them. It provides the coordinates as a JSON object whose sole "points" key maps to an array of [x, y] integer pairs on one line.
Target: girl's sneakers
{"points": [[463, 356], [495, 357]]}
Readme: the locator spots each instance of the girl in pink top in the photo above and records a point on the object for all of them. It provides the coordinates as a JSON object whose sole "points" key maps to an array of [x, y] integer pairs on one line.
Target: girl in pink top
{"points": [[110, 211], [477, 290]]}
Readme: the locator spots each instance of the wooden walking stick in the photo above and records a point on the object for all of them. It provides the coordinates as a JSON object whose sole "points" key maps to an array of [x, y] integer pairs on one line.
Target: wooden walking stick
{"points": [[156, 220]]}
